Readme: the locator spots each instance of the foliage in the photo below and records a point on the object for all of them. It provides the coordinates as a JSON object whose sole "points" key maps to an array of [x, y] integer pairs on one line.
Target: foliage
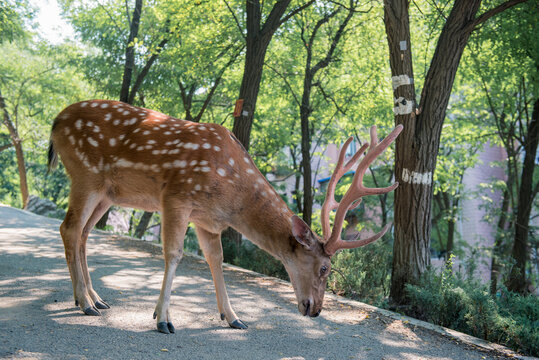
{"points": [[364, 273], [464, 304]]}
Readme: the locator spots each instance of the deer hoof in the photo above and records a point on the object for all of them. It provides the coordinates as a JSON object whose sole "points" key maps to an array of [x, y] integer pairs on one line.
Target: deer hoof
{"points": [[90, 310], [76, 302], [222, 316], [164, 327], [237, 324], [101, 305]]}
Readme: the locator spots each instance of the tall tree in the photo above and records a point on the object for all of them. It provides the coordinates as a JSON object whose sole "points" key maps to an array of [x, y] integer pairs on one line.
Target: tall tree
{"points": [[257, 39], [417, 146]]}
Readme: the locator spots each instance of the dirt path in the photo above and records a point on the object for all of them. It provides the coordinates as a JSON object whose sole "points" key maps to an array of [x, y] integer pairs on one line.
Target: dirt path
{"points": [[38, 318]]}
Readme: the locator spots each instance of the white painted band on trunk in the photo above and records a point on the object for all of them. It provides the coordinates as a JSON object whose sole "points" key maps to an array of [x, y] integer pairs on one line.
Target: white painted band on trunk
{"points": [[403, 106], [413, 177], [400, 80]]}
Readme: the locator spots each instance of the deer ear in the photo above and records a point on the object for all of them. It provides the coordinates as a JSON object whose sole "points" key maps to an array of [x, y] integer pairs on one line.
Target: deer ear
{"points": [[302, 233]]}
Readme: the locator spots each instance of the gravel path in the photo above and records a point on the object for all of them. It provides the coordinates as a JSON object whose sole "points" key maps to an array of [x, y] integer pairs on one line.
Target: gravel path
{"points": [[38, 319]]}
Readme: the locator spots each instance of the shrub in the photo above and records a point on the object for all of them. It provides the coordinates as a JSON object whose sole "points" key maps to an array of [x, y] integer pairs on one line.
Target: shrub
{"points": [[465, 305]]}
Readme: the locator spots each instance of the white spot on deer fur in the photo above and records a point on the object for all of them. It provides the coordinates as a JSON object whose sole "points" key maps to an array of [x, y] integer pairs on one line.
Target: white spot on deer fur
{"points": [[126, 112], [151, 141], [66, 130], [92, 142], [146, 132], [154, 167], [206, 145], [78, 124], [80, 142], [101, 136], [162, 126], [97, 129], [260, 180], [177, 132], [193, 163], [140, 148], [219, 138], [191, 146], [250, 171], [164, 151], [216, 148], [167, 165], [205, 169], [246, 159], [121, 137], [180, 163], [116, 122], [132, 146], [94, 104], [83, 104], [190, 180], [264, 194], [124, 163], [202, 127], [71, 139], [148, 147], [107, 117], [197, 187], [64, 116], [174, 151], [112, 141], [196, 169], [231, 162], [182, 171], [237, 176], [221, 172], [136, 130], [89, 124], [104, 106], [167, 133]]}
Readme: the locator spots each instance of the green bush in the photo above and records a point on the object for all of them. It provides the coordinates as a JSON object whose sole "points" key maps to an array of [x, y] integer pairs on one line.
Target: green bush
{"points": [[364, 273], [449, 300]]}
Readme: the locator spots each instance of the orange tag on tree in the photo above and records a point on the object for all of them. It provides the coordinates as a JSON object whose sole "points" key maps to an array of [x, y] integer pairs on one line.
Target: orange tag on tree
{"points": [[238, 108]]}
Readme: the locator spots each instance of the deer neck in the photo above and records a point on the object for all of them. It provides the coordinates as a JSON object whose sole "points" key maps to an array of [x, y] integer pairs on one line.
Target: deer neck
{"points": [[265, 221]]}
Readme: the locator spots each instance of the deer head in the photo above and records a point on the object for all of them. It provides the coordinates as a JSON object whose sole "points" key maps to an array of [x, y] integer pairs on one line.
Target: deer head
{"points": [[310, 271]]}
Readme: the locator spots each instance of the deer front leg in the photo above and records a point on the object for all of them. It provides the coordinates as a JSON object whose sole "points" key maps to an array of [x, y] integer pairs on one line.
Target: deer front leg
{"points": [[81, 205], [213, 252], [174, 226]]}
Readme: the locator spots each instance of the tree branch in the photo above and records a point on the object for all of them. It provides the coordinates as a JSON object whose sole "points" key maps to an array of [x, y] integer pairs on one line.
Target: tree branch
{"points": [[490, 13], [296, 11], [236, 20]]}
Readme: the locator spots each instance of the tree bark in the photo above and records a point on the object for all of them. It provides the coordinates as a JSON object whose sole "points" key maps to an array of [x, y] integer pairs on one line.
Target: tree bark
{"points": [[143, 224], [417, 146], [130, 53], [497, 249], [517, 278], [257, 41], [17, 143]]}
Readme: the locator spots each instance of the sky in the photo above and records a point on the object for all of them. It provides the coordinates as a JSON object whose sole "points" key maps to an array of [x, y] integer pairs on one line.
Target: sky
{"points": [[51, 26]]}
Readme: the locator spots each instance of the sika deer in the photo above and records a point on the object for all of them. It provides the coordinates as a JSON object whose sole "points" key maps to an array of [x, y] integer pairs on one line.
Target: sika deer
{"points": [[120, 154]]}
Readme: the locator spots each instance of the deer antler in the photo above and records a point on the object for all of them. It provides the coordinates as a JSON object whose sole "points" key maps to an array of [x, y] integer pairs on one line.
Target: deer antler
{"points": [[352, 198]]}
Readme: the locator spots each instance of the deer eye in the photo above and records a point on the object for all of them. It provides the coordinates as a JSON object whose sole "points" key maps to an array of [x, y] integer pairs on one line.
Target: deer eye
{"points": [[323, 270]]}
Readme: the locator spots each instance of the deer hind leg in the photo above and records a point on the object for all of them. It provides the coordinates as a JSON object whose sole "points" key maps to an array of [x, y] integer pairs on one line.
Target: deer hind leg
{"points": [[213, 252], [81, 206], [174, 225], [98, 212]]}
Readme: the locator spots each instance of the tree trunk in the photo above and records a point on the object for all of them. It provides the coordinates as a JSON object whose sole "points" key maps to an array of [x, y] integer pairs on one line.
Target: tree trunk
{"points": [[305, 112], [517, 278], [129, 67], [143, 224], [417, 146], [130, 52], [257, 41], [497, 249], [17, 143]]}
